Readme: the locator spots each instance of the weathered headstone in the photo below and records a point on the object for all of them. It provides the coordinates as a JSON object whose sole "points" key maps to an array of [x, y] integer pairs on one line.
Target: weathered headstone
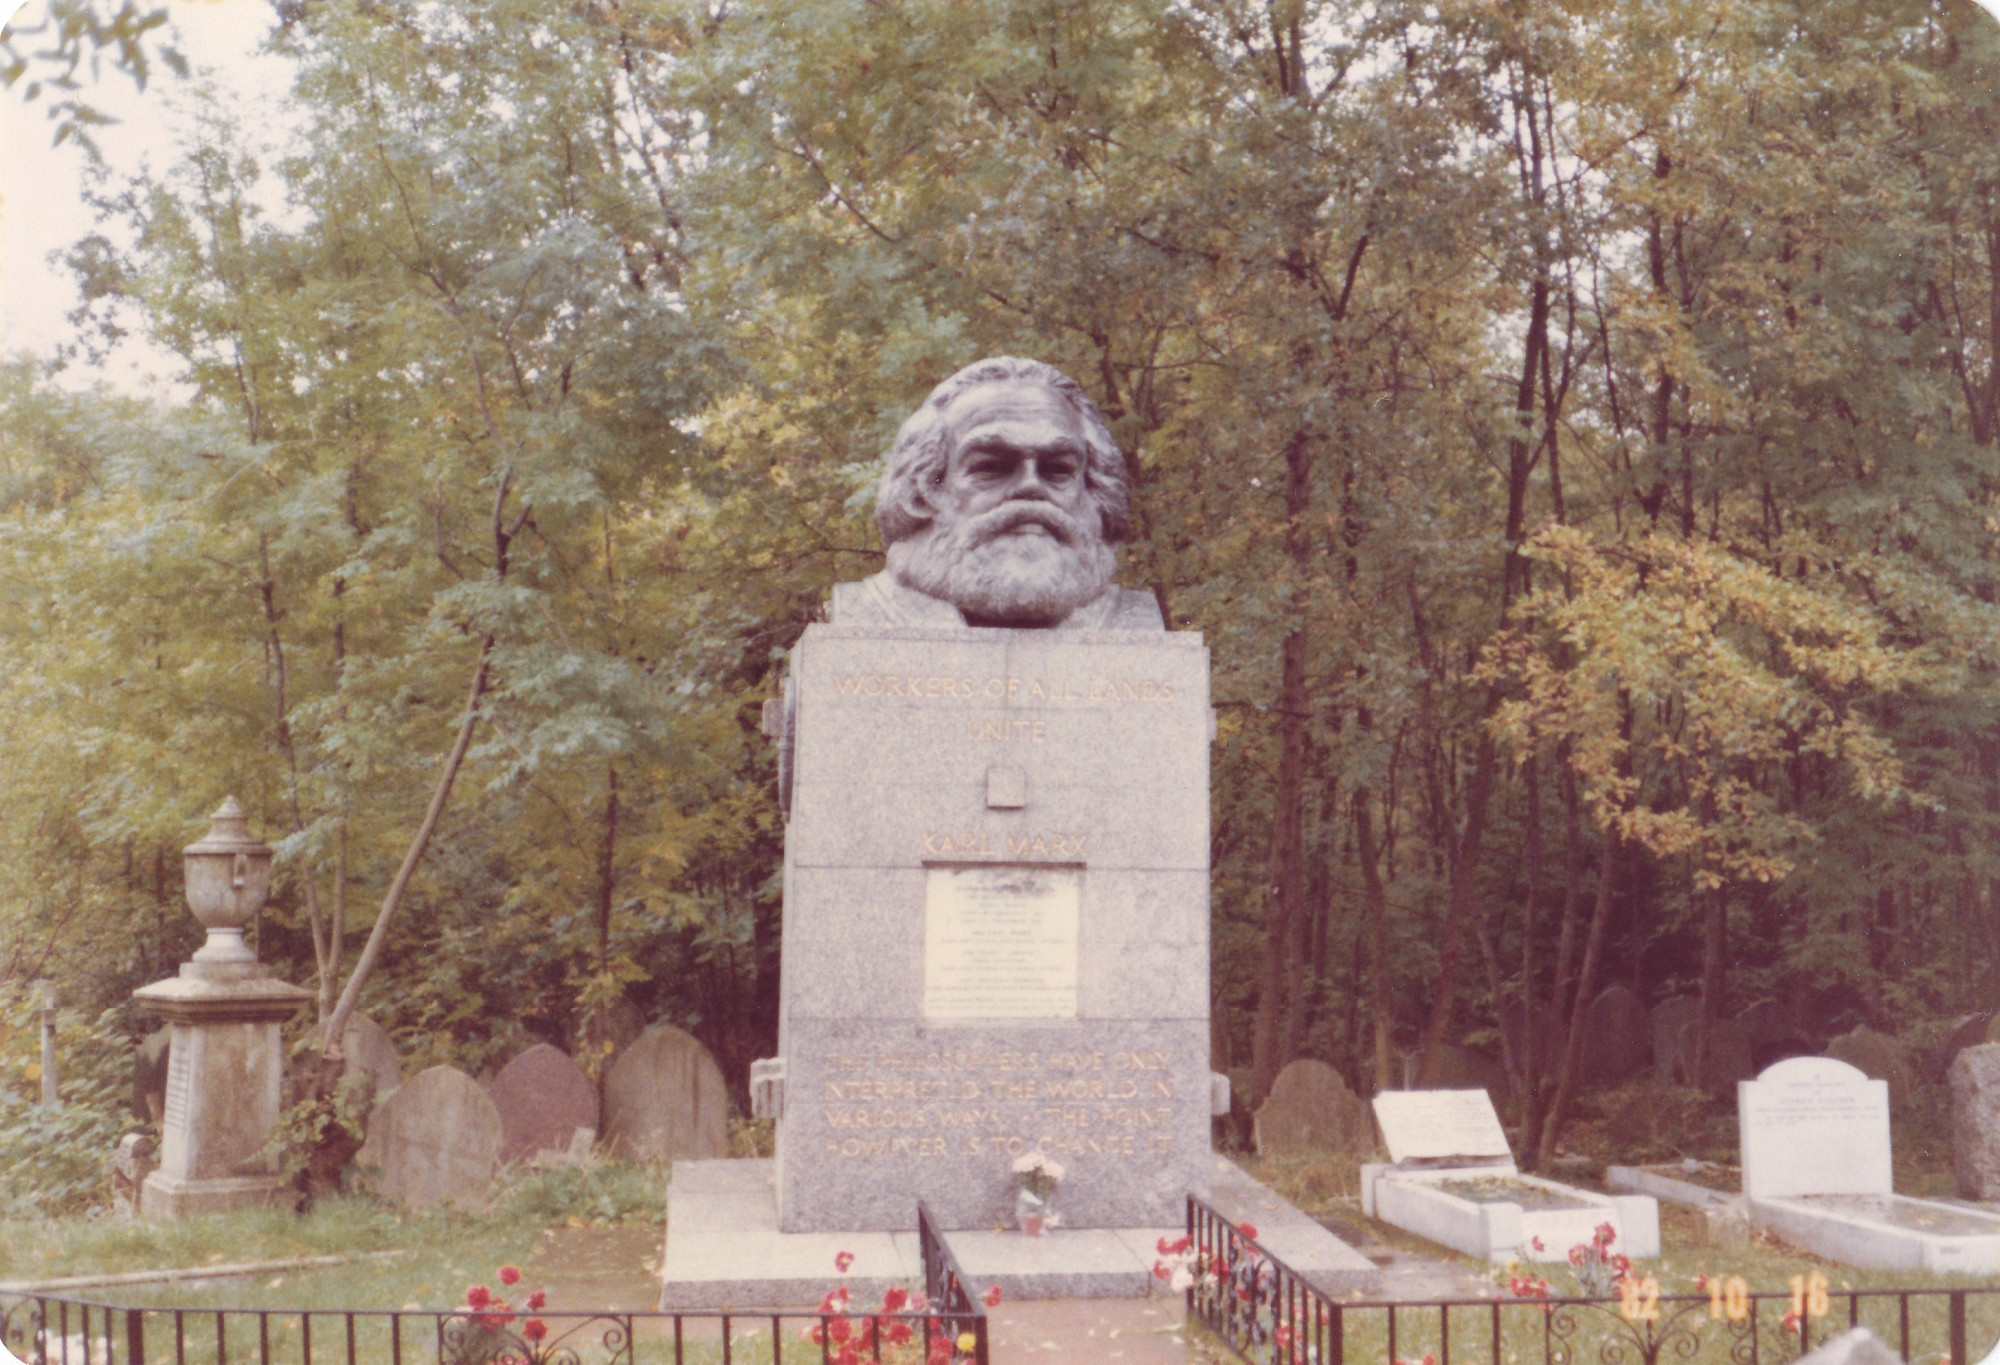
{"points": [[543, 1098], [1975, 1121], [367, 1048], [1670, 1019], [435, 1140], [1813, 1125], [1617, 1042], [1310, 1109], [1968, 1030], [1876, 1055], [664, 1099]]}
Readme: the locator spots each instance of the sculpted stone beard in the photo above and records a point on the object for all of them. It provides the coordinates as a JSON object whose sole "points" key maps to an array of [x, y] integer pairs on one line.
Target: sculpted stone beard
{"points": [[1026, 563]]}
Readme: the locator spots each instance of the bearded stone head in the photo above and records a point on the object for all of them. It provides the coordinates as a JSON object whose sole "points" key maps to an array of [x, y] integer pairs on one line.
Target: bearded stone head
{"points": [[1004, 494]]}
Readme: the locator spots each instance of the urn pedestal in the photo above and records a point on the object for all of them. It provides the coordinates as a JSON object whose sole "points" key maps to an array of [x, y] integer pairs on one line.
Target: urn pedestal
{"points": [[225, 1067]]}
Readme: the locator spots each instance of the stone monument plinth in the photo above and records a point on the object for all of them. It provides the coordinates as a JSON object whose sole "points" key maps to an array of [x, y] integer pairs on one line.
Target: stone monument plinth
{"points": [[995, 926], [224, 1072], [225, 1061]]}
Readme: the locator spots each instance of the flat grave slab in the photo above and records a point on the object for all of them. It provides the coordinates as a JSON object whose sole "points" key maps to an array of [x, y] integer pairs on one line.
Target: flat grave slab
{"points": [[724, 1248], [1817, 1174], [1468, 1194]]}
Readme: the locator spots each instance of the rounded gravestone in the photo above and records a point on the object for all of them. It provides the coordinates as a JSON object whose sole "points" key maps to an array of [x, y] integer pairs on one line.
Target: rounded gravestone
{"points": [[1310, 1109], [436, 1140], [543, 1098], [1877, 1056], [1617, 1038], [664, 1099], [365, 1046], [1975, 1121], [1669, 1018]]}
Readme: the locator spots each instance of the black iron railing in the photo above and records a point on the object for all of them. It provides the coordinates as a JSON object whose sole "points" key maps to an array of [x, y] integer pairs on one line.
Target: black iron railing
{"points": [[1269, 1313], [944, 1286], [949, 1329]]}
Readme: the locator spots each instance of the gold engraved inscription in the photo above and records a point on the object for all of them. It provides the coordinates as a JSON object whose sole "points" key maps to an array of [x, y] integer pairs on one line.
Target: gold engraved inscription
{"points": [[979, 844], [983, 730], [1064, 1103]]}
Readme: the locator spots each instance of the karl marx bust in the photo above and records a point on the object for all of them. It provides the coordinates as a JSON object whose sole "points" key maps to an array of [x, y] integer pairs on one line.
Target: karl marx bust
{"points": [[1000, 503]]}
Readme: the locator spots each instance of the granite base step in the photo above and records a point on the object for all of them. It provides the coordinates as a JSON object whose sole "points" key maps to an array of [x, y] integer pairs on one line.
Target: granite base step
{"points": [[724, 1249]]}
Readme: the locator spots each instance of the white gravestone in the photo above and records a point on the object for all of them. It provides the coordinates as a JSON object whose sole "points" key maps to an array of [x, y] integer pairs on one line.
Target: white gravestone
{"points": [[1813, 1125], [1435, 1125]]}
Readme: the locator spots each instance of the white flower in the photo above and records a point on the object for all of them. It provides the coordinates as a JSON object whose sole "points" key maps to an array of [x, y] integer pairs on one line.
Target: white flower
{"points": [[1183, 1279], [1032, 1161], [1054, 1169]]}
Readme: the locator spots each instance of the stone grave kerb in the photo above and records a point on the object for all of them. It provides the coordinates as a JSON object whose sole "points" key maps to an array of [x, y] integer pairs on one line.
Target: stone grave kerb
{"points": [[1813, 1125]]}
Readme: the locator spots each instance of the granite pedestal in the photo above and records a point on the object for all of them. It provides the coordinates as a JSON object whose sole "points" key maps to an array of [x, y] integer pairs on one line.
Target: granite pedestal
{"points": [[995, 927], [224, 1074]]}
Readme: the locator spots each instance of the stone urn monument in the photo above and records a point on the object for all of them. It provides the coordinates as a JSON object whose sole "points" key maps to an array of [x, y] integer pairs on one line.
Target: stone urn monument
{"points": [[225, 1060]]}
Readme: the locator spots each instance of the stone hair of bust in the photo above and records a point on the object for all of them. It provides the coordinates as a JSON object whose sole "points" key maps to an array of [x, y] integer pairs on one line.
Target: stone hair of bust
{"points": [[917, 461]]}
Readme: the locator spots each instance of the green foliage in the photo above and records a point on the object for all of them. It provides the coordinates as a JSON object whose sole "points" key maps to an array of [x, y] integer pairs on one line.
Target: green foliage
{"points": [[1571, 427], [56, 1162], [596, 1192]]}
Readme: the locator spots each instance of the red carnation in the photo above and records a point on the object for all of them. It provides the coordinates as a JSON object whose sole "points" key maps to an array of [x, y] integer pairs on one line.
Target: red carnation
{"points": [[1248, 1230], [478, 1296], [534, 1329], [510, 1274], [991, 1298], [536, 1300]]}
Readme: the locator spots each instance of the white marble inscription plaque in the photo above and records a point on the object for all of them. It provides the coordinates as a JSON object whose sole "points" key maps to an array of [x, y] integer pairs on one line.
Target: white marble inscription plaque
{"points": [[1814, 1125], [1434, 1124], [1000, 942]]}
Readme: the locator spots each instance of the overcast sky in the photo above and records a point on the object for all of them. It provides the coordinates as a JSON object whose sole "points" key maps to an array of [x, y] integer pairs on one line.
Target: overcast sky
{"points": [[41, 207], [41, 202]]}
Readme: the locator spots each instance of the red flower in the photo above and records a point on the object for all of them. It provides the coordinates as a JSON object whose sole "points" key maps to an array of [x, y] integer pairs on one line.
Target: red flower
{"points": [[841, 1329], [896, 1332], [1282, 1337], [1576, 1255], [894, 1299], [1606, 1234], [1248, 1230], [536, 1300], [842, 1261], [478, 1296], [510, 1274], [1791, 1322], [1536, 1243], [991, 1298], [835, 1301], [534, 1329], [1701, 1281]]}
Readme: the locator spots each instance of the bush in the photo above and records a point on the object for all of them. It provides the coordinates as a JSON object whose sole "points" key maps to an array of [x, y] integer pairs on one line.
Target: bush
{"points": [[54, 1162]]}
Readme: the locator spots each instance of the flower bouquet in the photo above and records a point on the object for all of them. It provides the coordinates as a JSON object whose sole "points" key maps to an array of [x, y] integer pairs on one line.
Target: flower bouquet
{"points": [[1039, 1177]]}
